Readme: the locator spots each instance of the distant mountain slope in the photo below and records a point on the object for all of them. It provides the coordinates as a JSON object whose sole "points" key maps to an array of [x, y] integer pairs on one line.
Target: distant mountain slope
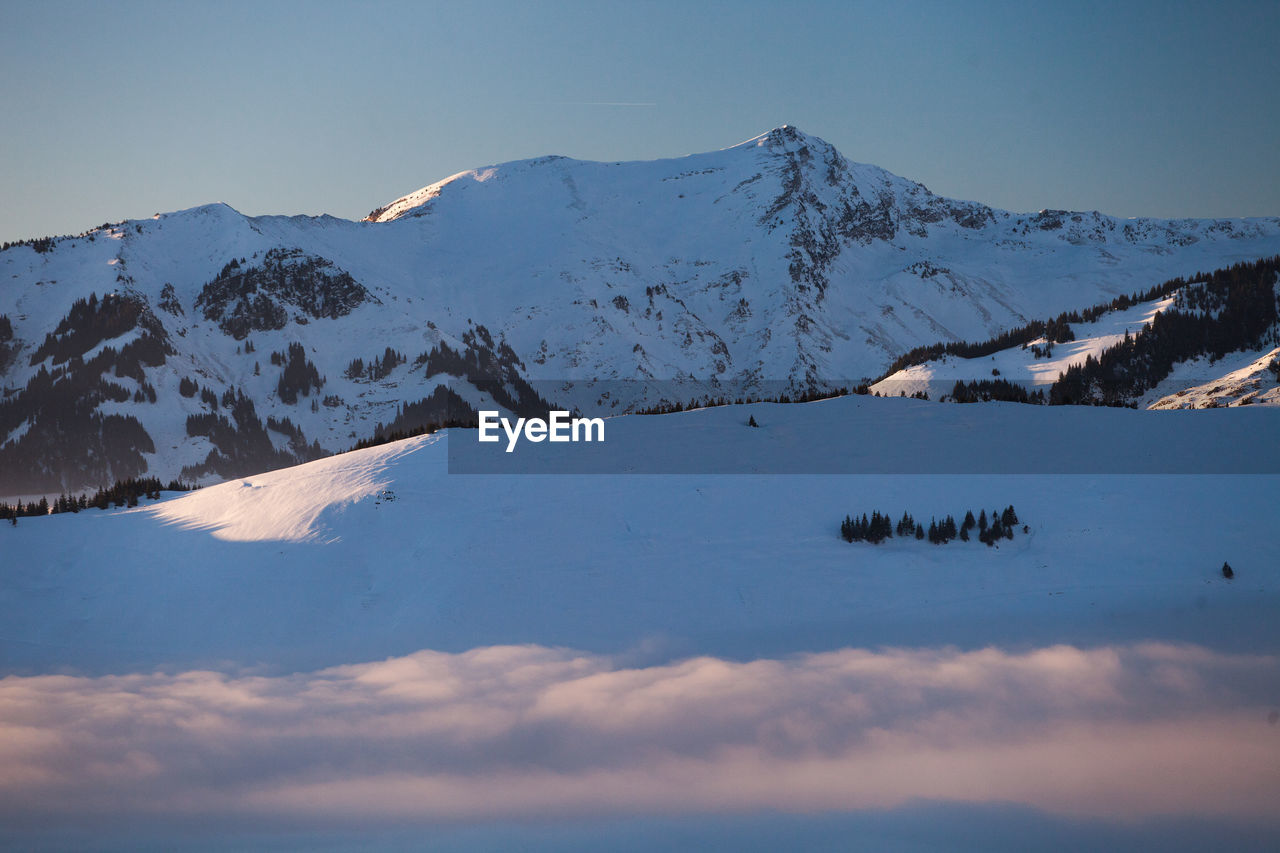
{"points": [[773, 260], [1244, 379], [1208, 342], [1035, 366]]}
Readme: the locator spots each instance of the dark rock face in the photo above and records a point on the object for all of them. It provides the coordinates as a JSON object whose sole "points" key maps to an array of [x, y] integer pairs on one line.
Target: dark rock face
{"points": [[243, 299]]}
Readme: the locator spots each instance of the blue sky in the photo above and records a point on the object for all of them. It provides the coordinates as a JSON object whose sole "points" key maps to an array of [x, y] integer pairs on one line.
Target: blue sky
{"points": [[120, 110]]}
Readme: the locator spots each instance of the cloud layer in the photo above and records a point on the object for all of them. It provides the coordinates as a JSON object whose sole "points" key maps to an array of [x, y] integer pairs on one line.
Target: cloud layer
{"points": [[1114, 732]]}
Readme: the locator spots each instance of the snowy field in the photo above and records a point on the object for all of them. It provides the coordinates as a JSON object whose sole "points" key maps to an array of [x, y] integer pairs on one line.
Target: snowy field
{"points": [[371, 652]]}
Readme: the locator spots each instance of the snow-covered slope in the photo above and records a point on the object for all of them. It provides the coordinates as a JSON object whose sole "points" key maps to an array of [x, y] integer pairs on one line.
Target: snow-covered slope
{"points": [[1247, 375], [773, 260], [1027, 366], [1242, 379], [384, 551]]}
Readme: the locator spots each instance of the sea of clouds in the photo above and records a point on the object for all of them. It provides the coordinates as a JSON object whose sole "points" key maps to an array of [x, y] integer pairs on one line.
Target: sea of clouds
{"points": [[1114, 733]]}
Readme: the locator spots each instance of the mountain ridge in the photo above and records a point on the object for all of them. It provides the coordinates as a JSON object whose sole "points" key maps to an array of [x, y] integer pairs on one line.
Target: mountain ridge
{"points": [[776, 261]]}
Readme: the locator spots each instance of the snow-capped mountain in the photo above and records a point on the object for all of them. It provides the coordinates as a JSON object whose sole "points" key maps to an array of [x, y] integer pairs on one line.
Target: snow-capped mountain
{"points": [[212, 343]]}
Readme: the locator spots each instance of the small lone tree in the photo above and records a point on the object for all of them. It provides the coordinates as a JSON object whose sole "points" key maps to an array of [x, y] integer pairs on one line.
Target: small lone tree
{"points": [[1227, 572], [752, 422]]}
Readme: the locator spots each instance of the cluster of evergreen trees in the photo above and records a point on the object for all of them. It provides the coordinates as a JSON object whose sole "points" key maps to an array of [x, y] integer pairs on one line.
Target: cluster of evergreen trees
{"points": [[6, 335], [299, 375], [241, 443], [121, 493], [91, 321], [242, 298], [879, 526], [492, 367], [875, 529], [443, 408], [88, 323], [38, 244], [987, 390], [169, 301], [376, 368]]}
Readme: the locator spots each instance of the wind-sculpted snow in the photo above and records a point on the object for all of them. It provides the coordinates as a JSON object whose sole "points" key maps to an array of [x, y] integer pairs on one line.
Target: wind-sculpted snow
{"points": [[286, 505], [1122, 733]]}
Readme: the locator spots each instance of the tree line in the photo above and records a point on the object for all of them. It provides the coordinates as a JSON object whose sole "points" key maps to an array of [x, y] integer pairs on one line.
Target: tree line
{"points": [[125, 492], [807, 396]]}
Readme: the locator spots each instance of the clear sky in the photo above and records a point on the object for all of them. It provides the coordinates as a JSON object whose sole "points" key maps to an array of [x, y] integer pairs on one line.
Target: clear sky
{"points": [[115, 110]]}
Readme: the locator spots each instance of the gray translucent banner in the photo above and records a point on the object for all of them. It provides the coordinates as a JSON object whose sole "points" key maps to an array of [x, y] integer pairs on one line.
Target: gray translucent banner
{"points": [[864, 434]]}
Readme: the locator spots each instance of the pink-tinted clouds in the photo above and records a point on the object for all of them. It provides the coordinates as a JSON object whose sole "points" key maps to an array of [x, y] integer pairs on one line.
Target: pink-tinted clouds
{"points": [[1115, 733]]}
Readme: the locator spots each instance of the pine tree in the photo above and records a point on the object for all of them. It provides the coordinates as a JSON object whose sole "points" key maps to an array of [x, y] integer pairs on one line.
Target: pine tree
{"points": [[969, 522], [907, 526], [1227, 571], [982, 521], [919, 532]]}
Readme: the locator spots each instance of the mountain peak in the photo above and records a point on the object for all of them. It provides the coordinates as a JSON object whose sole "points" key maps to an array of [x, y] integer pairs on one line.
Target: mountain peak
{"points": [[786, 137]]}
